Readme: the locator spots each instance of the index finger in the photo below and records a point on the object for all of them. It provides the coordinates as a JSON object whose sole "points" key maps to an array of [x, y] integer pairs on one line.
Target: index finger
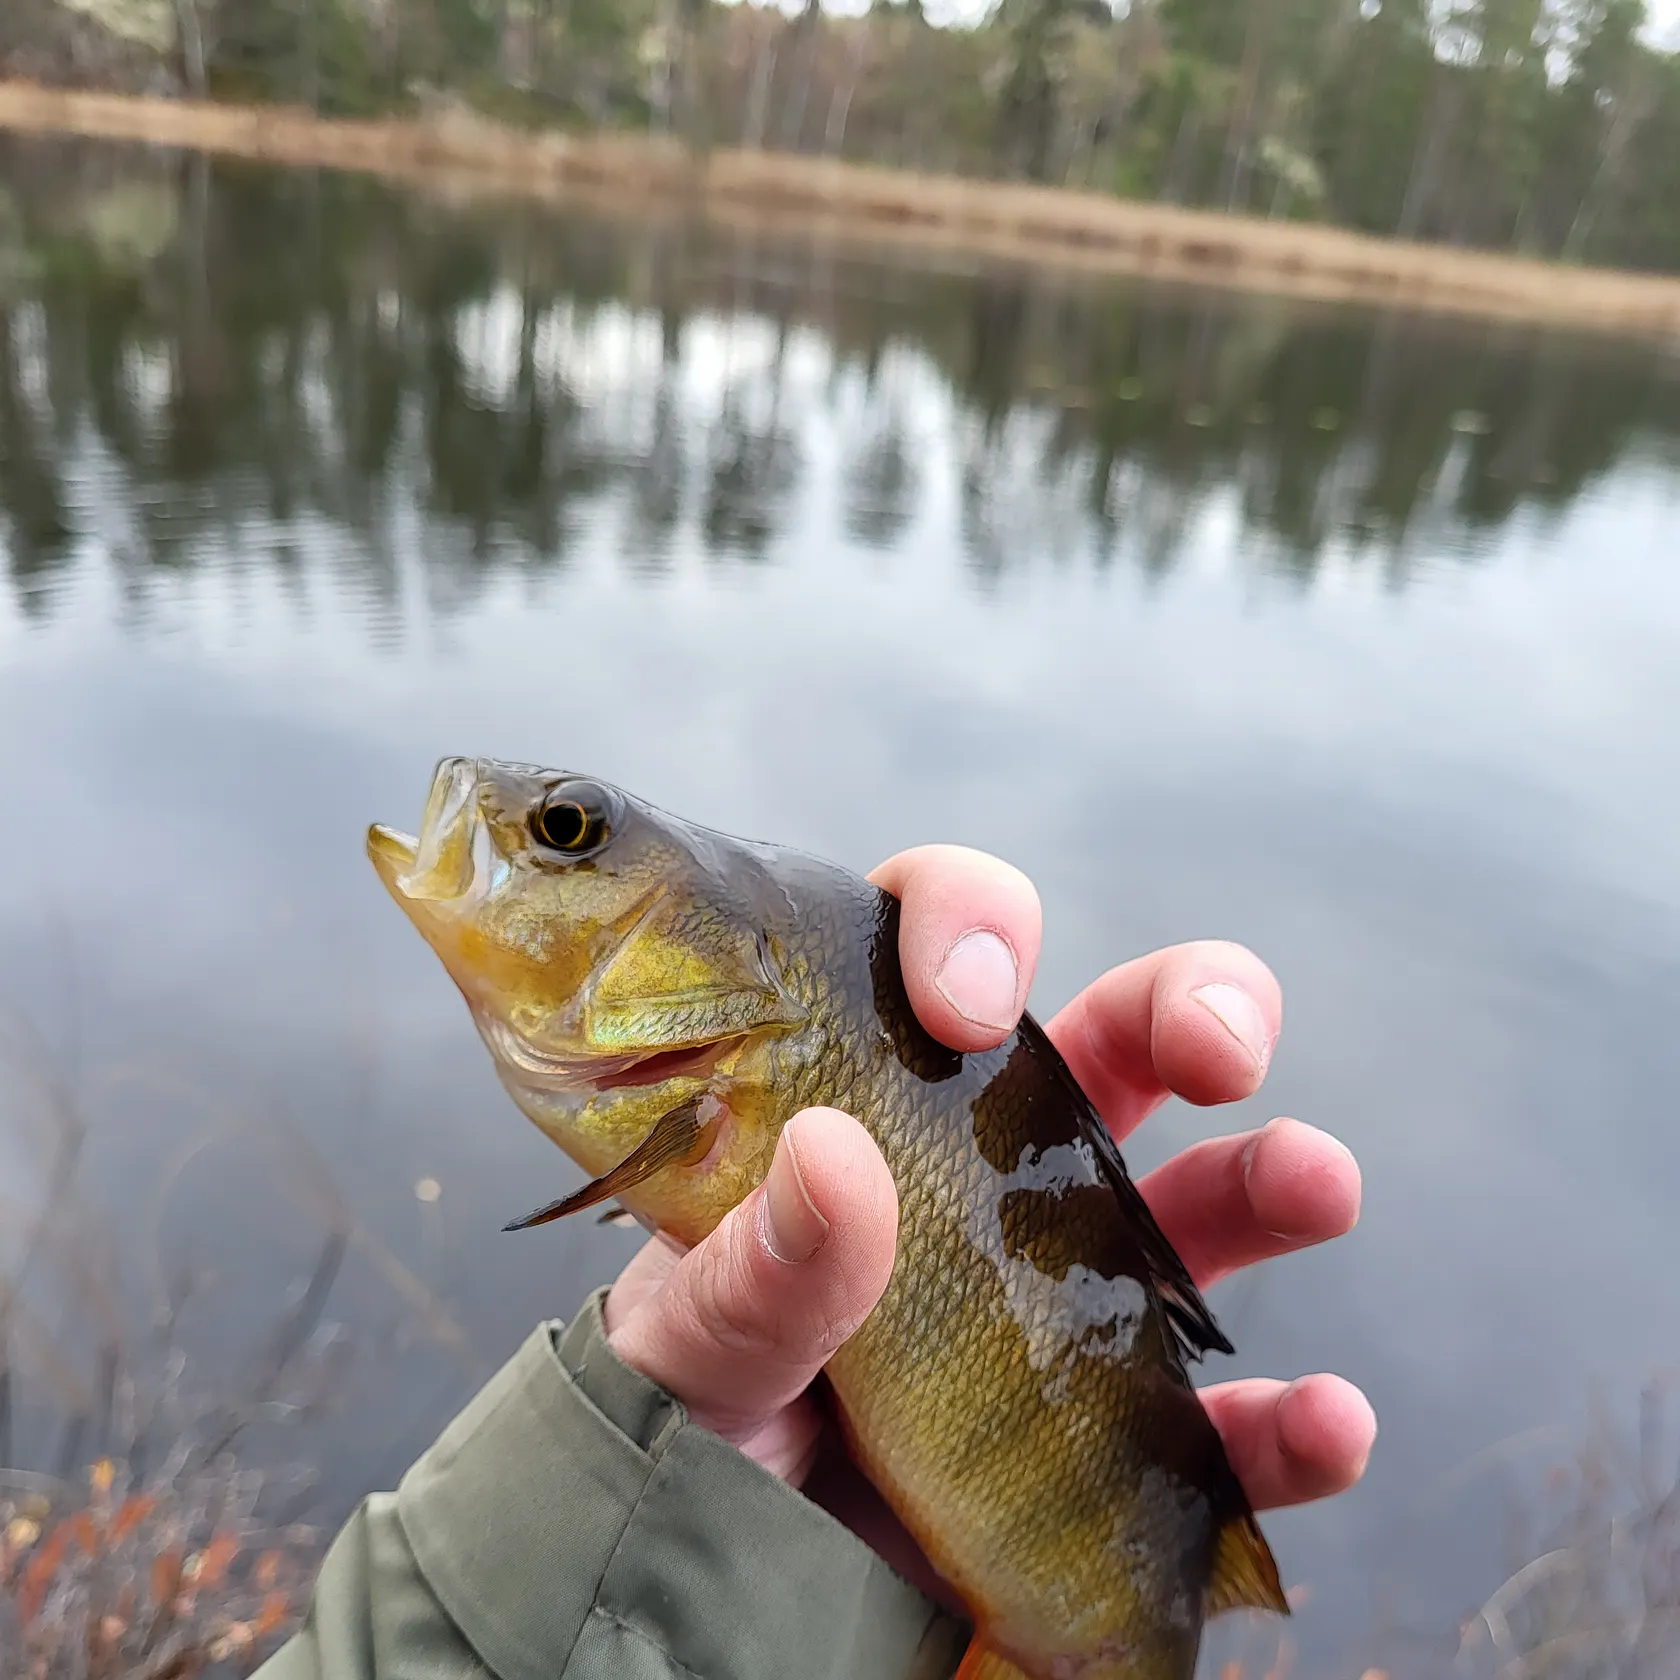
{"points": [[968, 941]]}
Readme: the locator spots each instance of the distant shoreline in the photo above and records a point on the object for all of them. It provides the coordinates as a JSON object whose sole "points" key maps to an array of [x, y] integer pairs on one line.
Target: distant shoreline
{"points": [[1042, 225]]}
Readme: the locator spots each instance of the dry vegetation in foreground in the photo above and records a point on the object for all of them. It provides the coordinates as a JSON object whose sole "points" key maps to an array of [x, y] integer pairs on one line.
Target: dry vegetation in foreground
{"points": [[156, 1544], [1596, 1591], [973, 217], [165, 1579], [1593, 1539]]}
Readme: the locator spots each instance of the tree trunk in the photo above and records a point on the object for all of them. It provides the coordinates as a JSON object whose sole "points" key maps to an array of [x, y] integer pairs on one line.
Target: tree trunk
{"points": [[805, 53], [1080, 153], [191, 26], [758, 97], [1631, 109], [660, 91], [1234, 170], [688, 101], [1182, 156], [1439, 121], [840, 106], [311, 55]]}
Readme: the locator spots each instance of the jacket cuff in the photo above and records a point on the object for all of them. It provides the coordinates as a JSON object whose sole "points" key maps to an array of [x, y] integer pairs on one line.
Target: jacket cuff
{"points": [[573, 1507]]}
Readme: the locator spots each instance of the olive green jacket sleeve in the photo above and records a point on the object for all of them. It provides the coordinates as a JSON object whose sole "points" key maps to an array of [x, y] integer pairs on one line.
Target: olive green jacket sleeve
{"points": [[572, 1524]]}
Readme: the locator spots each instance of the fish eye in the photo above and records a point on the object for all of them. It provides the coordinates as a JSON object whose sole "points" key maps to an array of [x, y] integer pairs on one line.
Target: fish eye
{"points": [[572, 819]]}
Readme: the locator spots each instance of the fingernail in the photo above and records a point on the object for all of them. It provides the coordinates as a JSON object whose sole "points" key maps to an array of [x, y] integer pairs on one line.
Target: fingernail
{"points": [[793, 1229], [1240, 1016], [978, 979], [1287, 1401], [1250, 1151]]}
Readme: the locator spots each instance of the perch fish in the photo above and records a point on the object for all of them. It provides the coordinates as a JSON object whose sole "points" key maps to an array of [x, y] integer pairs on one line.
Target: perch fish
{"points": [[660, 998]]}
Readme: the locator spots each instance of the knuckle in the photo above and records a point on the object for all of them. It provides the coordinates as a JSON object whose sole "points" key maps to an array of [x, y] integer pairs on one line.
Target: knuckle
{"points": [[1218, 953], [724, 1293]]}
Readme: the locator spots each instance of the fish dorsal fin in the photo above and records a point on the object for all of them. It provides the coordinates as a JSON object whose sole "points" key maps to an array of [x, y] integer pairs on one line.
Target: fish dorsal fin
{"points": [[1245, 1574], [1192, 1322], [680, 1136]]}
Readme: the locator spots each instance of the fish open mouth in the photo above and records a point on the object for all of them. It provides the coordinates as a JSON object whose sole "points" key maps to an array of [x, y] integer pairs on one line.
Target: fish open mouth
{"points": [[694, 1062], [604, 1073], [451, 856]]}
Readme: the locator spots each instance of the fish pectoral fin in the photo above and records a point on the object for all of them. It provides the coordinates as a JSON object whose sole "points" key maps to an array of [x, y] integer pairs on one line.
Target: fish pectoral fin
{"points": [[981, 1662], [677, 1138], [1245, 1574]]}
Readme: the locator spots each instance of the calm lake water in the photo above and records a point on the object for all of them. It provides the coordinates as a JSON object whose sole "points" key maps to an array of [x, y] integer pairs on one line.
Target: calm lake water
{"points": [[1355, 639]]}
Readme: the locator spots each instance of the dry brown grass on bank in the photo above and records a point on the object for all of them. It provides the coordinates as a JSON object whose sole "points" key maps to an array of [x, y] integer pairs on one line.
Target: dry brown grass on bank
{"points": [[980, 218]]}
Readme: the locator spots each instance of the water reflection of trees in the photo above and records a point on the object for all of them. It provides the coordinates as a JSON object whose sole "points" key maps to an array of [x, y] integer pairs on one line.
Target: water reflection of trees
{"points": [[306, 351]]}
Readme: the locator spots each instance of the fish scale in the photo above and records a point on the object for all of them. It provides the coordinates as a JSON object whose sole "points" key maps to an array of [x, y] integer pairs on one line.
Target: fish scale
{"points": [[1020, 1393]]}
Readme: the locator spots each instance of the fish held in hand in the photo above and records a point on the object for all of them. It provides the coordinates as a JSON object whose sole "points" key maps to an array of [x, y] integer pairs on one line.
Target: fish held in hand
{"points": [[661, 999]]}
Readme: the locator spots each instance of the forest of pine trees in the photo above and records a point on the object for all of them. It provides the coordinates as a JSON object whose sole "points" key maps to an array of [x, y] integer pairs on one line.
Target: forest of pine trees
{"points": [[1549, 127]]}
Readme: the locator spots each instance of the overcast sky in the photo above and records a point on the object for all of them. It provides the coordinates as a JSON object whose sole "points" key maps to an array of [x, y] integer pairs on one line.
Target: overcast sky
{"points": [[1665, 18]]}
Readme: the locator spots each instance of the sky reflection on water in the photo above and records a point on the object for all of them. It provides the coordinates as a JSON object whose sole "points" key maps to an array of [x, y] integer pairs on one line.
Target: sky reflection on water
{"points": [[1354, 641]]}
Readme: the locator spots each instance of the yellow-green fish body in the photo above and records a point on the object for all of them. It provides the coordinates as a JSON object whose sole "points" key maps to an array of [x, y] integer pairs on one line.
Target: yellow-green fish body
{"points": [[660, 999]]}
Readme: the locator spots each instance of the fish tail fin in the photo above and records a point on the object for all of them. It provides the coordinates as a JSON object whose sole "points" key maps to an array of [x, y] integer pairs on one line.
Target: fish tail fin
{"points": [[1245, 1574], [981, 1662]]}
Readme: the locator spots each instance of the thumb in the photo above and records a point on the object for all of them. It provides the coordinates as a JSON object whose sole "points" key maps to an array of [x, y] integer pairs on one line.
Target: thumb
{"points": [[746, 1319]]}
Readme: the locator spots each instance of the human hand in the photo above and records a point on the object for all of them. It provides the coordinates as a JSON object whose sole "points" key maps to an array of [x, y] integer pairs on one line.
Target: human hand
{"points": [[739, 1327]]}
